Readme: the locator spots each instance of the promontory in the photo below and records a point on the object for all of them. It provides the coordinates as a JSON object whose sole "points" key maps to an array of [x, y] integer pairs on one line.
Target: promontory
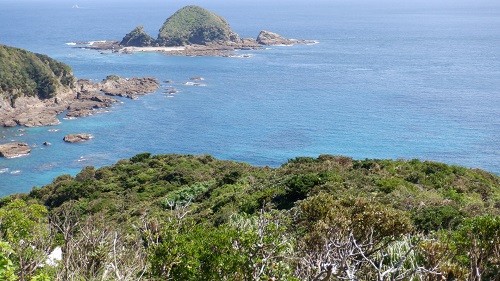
{"points": [[35, 88]]}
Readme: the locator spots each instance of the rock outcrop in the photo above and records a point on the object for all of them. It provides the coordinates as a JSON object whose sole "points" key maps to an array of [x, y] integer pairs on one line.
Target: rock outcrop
{"points": [[14, 149], [128, 87], [137, 37], [271, 38], [74, 138], [84, 100]]}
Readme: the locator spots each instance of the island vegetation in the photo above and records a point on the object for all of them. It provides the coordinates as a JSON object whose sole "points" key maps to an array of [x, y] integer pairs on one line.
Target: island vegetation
{"points": [[137, 37], [23, 73], [195, 25], [185, 217]]}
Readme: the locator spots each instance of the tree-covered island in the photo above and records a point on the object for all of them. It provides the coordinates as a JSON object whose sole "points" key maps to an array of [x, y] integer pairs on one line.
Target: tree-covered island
{"points": [[196, 31]]}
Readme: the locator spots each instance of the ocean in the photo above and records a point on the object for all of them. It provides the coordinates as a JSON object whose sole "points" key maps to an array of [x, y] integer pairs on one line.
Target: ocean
{"points": [[387, 79]]}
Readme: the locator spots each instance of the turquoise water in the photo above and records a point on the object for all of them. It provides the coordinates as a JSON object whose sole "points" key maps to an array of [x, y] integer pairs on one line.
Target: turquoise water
{"points": [[405, 81]]}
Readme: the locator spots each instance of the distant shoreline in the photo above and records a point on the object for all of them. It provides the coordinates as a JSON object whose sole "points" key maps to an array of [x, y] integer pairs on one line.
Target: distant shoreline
{"points": [[152, 49], [225, 49]]}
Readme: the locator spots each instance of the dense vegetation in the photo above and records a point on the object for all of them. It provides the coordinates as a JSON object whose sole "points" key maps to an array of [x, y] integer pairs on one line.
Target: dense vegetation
{"points": [[137, 37], [194, 25], [173, 217], [23, 73]]}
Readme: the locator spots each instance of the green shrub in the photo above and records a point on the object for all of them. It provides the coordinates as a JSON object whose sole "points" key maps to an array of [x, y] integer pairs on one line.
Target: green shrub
{"points": [[436, 217]]}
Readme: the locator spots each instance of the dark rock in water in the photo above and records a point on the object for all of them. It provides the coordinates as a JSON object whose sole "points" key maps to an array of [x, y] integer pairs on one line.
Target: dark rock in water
{"points": [[14, 149], [170, 91], [47, 143], [72, 138], [197, 78]]}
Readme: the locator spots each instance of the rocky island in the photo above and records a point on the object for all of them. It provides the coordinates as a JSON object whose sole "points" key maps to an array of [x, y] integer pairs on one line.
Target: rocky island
{"points": [[73, 138], [193, 31], [14, 149], [34, 89]]}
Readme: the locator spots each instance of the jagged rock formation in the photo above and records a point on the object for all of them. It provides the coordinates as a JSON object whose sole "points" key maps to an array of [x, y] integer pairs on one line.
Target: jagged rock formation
{"points": [[195, 25], [118, 86], [137, 37], [14, 149]]}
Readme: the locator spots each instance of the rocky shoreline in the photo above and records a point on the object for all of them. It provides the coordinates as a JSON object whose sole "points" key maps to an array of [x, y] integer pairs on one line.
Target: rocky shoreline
{"points": [[85, 99], [226, 49]]}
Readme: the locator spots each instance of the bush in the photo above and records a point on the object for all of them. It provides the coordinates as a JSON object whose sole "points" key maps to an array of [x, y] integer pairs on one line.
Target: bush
{"points": [[436, 217]]}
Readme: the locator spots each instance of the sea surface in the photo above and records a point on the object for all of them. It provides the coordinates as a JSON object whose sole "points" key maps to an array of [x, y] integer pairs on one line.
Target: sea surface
{"points": [[387, 79]]}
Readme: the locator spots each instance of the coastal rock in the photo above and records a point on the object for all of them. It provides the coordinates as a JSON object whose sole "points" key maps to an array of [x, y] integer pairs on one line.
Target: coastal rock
{"points": [[271, 38], [128, 87], [14, 149], [73, 138], [38, 118]]}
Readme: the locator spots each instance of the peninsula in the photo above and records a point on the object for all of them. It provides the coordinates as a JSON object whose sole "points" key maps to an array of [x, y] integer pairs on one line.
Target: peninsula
{"points": [[35, 88], [193, 31]]}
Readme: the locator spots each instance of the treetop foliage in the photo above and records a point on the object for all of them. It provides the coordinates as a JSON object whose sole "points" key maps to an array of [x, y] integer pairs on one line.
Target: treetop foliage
{"points": [[194, 25], [186, 217]]}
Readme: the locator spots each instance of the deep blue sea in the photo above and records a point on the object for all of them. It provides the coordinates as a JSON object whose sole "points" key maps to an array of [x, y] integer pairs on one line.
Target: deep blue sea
{"points": [[388, 79]]}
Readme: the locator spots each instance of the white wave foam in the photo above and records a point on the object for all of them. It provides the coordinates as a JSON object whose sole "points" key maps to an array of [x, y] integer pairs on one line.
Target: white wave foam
{"points": [[71, 44], [4, 170], [16, 172], [242, 56], [98, 41], [19, 156], [194, 84]]}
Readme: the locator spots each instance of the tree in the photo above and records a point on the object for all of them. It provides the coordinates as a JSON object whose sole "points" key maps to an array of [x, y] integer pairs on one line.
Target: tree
{"points": [[7, 269], [25, 227], [343, 238], [477, 244]]}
